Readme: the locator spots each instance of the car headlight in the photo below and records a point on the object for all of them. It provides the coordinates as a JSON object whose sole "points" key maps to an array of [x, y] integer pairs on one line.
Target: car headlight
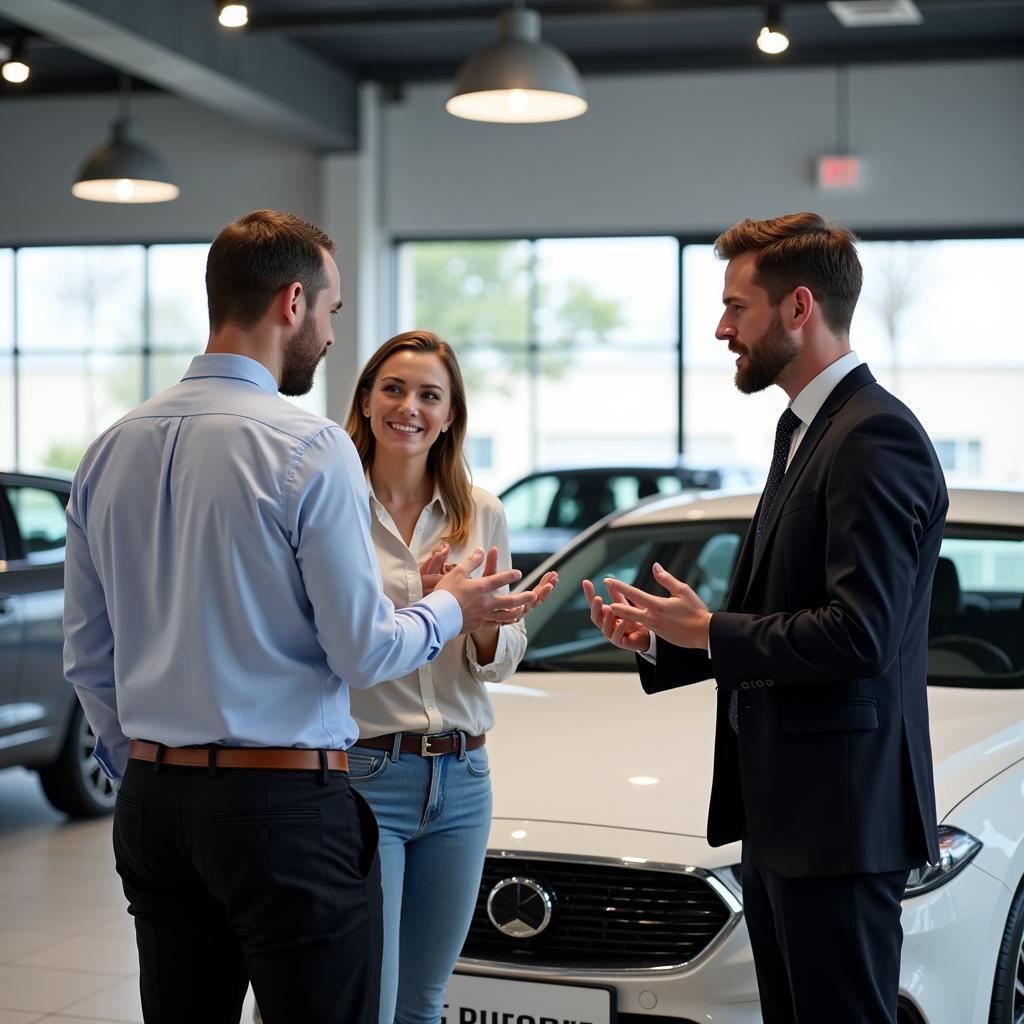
{"points": [[956, 850]]}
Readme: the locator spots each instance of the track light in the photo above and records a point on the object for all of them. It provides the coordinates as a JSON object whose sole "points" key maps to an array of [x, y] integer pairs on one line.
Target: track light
{"points": [[124, 170], [233, 15], [771, 38], [15, 69], [519, 79]]}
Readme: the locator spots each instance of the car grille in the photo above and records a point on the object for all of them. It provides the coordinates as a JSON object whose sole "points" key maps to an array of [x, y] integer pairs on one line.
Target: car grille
{"points": [[605, 917]]}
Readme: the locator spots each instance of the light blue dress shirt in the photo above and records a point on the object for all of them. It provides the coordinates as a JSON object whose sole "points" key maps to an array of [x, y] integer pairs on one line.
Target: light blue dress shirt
{"points": [[221, 585]]}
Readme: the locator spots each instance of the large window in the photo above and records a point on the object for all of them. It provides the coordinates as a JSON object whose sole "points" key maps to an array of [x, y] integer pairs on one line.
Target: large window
{"points": [[929, 324], [569, 346], [89, 332], [573, 354]]}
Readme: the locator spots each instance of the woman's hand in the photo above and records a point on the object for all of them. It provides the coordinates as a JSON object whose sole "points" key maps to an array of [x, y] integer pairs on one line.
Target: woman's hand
{"points": [[434, 567], [532, 598]]}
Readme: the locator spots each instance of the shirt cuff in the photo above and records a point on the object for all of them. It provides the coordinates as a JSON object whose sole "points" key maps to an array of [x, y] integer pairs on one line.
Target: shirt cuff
{"points": [[447, 611], [492, 671], [651, 654], [112, 762]]}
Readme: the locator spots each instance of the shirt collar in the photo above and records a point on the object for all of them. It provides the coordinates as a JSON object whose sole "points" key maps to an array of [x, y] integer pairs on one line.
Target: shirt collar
{"points": [[237, 367], [437, 498], [807, 404]]}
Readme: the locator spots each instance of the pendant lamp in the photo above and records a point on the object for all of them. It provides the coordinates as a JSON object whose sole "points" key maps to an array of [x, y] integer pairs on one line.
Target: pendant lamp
{"points": [[519, 79], [124, 170]]}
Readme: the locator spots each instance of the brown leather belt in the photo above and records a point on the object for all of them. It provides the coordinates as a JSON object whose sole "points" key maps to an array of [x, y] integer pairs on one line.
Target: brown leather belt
{"points": [[291, 758], [425, 746]]}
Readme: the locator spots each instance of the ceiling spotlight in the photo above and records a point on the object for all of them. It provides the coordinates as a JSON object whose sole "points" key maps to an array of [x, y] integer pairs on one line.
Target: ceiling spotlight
{"points": [[771, 39], [16, 69], [519, 79], [124, 170], [233, 15]]}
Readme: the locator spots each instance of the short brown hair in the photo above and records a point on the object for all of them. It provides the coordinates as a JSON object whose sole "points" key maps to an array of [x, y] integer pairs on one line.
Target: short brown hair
{"points": [[252, 259], [801, 249], [446, 459]]}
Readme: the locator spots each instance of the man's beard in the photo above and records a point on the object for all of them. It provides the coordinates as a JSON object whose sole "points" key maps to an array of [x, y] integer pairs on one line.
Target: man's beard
{"points": [[766, 359], [302, 356]]}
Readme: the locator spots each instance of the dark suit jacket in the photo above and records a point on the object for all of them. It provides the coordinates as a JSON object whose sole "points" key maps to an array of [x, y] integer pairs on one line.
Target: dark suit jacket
{"points": [[825, 638]]}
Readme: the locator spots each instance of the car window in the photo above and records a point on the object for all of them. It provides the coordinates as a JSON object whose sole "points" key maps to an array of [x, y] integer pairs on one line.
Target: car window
{"points": [[560, 630], [976, 624], [581, 502], [975, 629], [528, 504], [39, 514], [668, 484]]}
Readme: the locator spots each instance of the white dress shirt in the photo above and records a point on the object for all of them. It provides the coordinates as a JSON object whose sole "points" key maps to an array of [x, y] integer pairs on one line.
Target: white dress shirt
{"points": [[449, 692], [805, 407]]}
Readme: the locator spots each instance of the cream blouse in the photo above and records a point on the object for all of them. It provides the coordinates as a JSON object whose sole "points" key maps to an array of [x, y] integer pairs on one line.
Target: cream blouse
{"points": [[447, 693]]}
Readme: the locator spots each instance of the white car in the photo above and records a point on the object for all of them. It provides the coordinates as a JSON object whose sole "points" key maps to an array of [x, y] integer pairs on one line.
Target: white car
{"points": [[601, 899]]}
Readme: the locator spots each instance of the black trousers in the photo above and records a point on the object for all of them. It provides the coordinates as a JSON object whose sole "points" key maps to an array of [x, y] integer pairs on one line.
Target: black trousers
{"points": [[268, 876], [826, 950]]}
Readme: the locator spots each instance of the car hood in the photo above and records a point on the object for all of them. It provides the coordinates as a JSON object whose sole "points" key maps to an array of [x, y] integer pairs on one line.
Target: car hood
{"points": [[583, 748], [567, 745]]}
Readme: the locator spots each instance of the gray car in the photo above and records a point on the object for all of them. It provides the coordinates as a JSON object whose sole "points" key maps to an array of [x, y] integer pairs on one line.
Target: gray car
{"points": [[41, 722]]}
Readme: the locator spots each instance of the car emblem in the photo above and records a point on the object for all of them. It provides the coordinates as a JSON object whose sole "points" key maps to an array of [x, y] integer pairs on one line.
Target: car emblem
{"points": [[520, 907]]}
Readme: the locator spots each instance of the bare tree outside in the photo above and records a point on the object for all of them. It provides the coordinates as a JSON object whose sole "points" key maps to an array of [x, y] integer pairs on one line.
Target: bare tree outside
{"points": [[895, 285]]}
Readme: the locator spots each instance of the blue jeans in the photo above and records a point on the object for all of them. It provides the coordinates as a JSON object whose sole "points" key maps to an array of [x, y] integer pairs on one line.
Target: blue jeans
{"points": [[434, 816]]}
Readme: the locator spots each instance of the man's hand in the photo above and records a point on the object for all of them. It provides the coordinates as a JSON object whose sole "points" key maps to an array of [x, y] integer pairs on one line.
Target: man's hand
{"points": [[628, 635], [682, 618], [476, 597]]}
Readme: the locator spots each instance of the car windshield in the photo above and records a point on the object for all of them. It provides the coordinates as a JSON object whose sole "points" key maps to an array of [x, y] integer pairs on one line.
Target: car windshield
{"points": [[976, 628]]}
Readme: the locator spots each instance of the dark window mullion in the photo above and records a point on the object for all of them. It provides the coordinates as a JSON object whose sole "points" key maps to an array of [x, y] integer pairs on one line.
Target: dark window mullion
{"points": [[680, 353], [15, 367], [147, 348]]}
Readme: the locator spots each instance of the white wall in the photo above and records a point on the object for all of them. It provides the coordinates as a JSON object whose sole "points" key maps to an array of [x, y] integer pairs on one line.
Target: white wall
{"points": [[942, 144]]}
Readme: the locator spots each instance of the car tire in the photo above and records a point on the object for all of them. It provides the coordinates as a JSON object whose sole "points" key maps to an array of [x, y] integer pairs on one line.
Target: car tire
{"points": [[1008, 986], [75, 783]]}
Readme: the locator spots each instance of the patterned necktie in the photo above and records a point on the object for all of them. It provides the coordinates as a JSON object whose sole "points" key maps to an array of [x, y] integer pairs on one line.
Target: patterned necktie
{"points": [[788, 422]]}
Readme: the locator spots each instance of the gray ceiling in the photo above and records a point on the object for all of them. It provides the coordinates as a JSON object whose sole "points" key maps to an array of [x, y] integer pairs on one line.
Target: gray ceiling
{"points": [[294, 51]]}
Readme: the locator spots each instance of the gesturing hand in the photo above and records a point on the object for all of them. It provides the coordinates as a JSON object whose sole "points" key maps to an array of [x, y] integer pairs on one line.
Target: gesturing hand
{"points": [[477, 597], [628, 635], [529, 598], [682, 618], [434, 567]]}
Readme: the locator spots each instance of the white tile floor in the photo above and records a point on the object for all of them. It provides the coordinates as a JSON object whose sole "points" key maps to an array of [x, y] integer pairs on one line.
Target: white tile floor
{"points": [[67, 947]]}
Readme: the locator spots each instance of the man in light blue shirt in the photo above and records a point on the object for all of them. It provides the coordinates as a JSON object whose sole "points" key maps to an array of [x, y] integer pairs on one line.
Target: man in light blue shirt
{"points": [[222, 593]]}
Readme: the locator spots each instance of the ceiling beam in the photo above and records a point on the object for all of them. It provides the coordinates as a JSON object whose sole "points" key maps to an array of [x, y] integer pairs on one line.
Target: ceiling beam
{"points": [[426, 13], [180, 47]]}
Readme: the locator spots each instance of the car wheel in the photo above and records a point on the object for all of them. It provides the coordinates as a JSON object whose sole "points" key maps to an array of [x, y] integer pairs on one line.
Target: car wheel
{"points": [[1008, 987], [75, 783]]}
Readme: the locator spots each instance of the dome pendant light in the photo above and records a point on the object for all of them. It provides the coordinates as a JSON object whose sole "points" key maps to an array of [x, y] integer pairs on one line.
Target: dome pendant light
{"points": [[519, 79], [772, 39], [15, 68], [124, 170]]}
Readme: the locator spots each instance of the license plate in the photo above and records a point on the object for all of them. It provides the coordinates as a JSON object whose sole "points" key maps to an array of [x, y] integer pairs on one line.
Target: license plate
{"points": [[479, 999]]}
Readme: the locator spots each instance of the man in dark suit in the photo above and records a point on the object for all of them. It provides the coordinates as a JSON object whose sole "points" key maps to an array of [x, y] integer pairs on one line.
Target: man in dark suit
{"points": [[822, 761]]}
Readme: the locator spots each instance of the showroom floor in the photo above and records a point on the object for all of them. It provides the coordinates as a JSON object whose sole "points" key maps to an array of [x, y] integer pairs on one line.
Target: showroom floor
{"points": [[67, 949]]}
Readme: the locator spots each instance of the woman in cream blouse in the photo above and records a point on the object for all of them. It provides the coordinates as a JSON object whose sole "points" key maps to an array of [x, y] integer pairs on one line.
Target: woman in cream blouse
{"points": [[420, 760]]}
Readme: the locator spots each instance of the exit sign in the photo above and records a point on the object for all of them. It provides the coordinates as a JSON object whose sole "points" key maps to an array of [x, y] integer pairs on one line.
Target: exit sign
{"points": [[838, 172]]}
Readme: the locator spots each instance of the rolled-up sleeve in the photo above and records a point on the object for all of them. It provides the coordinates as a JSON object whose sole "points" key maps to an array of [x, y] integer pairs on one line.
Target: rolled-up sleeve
{"points": [[365, 638], [511, 636]]}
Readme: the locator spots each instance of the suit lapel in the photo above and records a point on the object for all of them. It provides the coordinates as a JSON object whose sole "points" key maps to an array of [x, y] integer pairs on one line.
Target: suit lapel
{"points": [[851, 383]]}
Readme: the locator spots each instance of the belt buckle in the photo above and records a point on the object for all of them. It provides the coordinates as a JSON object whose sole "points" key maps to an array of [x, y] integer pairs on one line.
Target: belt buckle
{"points": [[425, 750]]}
